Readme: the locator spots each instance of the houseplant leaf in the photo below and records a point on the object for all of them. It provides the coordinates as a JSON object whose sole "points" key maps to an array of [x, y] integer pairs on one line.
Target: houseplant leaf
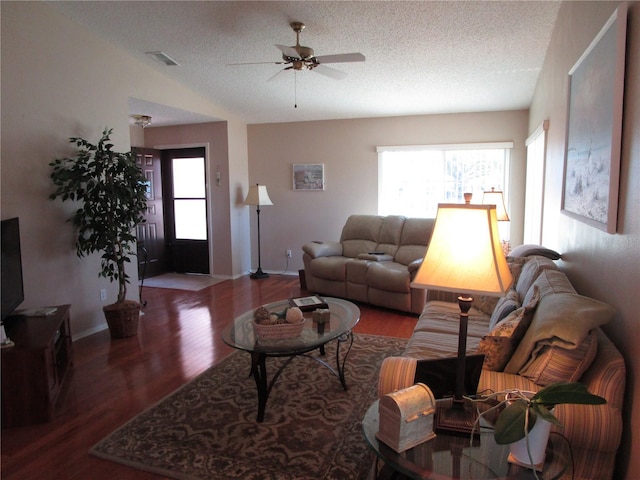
{"points": [[509, 427]]}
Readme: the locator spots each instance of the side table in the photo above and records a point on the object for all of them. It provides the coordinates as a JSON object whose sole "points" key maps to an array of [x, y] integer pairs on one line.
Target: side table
{"points": [[450, 456]]}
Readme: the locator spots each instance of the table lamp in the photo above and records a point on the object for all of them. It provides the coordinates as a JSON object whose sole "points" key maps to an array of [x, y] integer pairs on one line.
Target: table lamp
{"points": [[496, 197], [258, 196], [464, 256]]}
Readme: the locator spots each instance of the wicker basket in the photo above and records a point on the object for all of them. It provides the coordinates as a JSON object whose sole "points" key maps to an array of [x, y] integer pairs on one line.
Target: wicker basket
{"points": [[122, 318], [281, 330]]}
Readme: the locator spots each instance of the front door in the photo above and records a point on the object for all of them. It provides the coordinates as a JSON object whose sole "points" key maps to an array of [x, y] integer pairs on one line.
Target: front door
{"points": [[151, 247], [185, 206]]}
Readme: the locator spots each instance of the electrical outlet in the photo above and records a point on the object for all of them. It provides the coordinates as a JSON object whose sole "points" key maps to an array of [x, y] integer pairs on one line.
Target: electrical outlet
{"points": [[288, 253], [103, 294]]}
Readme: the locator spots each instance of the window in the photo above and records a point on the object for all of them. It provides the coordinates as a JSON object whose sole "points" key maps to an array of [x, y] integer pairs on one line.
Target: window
{"points": [[189, 198], [534, 193], [413, 180]]}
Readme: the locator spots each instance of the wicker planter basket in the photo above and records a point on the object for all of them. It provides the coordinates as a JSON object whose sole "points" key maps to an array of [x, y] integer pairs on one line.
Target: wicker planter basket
{"points": [[281, 330], [122, 318]]}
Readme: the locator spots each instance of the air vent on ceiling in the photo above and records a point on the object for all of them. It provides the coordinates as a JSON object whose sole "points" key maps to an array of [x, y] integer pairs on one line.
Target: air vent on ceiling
{"points": [[163, 57]]}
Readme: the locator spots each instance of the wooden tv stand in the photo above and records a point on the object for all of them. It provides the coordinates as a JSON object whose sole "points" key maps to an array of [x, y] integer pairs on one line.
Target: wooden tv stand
{"points": [[35, 367]]}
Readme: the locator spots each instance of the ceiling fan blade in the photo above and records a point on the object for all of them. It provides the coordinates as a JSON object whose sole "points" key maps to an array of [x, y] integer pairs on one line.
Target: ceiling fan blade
{"points": [[288, 51], [341, 58], [258, 63], [330, 72], [277, 73]]}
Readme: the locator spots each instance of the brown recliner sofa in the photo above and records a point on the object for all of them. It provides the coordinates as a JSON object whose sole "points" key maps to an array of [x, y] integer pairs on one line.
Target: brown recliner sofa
{"points": [[374, 261]]}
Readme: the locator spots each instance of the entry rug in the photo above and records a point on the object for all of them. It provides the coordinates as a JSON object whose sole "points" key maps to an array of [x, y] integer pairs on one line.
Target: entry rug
{"points": [[181, 281], [312, 430]]}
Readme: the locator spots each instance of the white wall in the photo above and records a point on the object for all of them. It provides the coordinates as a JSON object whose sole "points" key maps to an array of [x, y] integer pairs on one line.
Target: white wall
{"points": [[348, 150], [599, 264], [59, 80]]}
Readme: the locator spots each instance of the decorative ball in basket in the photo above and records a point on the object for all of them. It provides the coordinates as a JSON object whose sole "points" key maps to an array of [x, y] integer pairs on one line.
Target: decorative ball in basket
{"points": [[273, 325]]}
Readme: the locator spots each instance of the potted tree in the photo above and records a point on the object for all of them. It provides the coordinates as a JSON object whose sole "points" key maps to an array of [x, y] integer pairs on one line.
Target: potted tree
{"points": [[528, 416], [111, 193]]}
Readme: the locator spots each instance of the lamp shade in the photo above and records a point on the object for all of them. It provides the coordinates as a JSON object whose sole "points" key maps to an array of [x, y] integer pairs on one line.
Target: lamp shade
{"points": [[495, 197], [258, 195], [465, 254]]}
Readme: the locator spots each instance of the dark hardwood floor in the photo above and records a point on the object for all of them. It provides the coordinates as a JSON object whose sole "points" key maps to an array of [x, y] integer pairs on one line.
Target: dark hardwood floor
{"points": [[113, 380]]}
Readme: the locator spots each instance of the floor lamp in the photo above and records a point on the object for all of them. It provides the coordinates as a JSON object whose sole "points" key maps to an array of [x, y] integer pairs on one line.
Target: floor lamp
{"points": [[464, 255], [258, 196]]}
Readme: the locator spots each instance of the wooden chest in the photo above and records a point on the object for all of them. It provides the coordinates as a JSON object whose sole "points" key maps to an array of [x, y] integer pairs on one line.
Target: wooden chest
{"points": [[406, 417]]}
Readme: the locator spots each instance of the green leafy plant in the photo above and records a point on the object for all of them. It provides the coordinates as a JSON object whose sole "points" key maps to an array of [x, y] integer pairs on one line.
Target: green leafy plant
{"points": [[522, 410], [111, 191]]}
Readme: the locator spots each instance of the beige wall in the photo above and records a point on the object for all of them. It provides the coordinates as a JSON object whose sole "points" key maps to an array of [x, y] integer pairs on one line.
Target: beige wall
{"points": [[59, 80], [348, 150], [601, 265]]}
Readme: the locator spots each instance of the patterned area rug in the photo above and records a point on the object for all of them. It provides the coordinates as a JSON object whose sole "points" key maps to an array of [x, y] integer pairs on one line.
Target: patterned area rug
{"points": [[181, 281], [312, 428]]}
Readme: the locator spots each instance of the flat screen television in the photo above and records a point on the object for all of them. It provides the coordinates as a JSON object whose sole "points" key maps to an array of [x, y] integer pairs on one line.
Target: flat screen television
{"points": [[12, 292]]}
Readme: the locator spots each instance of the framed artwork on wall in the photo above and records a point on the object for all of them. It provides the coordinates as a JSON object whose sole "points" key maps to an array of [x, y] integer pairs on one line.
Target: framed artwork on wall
{"points": [[594, 128], [308, 177]]}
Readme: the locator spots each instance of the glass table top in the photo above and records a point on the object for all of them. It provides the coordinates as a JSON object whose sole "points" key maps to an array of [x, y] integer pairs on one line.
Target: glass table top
{"points": [[344, 316]]}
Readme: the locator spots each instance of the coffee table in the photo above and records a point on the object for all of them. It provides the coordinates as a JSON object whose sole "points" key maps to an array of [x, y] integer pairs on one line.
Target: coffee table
{"points": [[449, 456], [344, 316]]}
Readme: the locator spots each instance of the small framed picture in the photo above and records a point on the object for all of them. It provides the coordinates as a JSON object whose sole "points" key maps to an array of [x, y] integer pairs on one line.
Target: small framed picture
{"points": [[308, 177], [307, 304]]}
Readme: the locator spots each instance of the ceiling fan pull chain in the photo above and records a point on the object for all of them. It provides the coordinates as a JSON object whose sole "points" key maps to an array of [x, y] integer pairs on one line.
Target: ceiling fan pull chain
{"points": [[295, 89]]}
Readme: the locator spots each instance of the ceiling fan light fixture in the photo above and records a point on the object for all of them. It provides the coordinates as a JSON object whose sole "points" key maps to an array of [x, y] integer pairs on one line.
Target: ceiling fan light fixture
{"points": [[141, 120]]}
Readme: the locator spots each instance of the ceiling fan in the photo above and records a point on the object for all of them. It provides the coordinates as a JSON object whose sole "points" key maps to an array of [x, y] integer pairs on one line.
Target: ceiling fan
{"points": [[299, 58]]}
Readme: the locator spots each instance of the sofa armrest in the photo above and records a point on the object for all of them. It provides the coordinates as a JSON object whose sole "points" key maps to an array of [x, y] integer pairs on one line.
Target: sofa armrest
{"points": [[414, 266], [322, 249], [396, 373]]}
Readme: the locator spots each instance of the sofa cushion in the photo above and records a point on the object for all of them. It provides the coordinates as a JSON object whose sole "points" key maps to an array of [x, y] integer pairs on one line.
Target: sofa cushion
{"points": [[330, 268], [444, 317], [375, 257], [360, 234], [530, 272], [506, 304], [415, 237], [552, 363], [356, 271], [500, 343], [562, 319], [389, 236], [486, 303], [550, 282], [388, 276], [428, 345]]}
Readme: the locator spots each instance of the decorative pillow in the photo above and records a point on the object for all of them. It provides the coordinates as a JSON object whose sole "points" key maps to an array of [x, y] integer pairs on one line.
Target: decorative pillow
{"points": [[550, 282], [504, 307], [500, 343], [561, 319], [530, 249], [530, 272], [550, 364], [486, 303]]}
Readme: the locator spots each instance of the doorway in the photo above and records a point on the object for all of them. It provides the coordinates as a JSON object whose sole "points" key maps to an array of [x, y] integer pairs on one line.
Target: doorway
{"points": [[185, 210], [150, 233]]}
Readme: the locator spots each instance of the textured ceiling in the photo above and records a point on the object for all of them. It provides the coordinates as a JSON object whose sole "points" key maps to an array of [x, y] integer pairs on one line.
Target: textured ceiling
{"points": [[422, 57]]}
